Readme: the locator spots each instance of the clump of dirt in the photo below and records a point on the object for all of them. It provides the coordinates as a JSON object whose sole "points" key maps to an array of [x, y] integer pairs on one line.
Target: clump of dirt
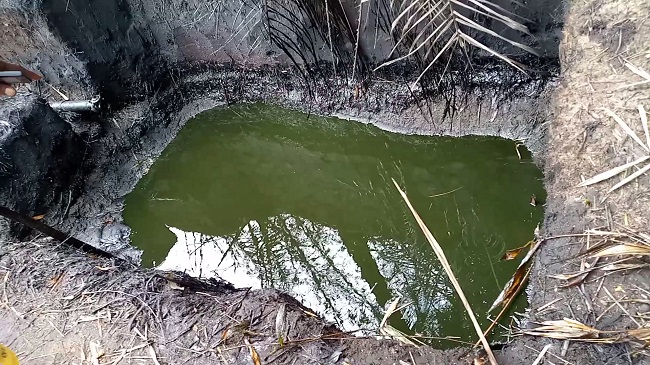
{"points": [[39, 160]]}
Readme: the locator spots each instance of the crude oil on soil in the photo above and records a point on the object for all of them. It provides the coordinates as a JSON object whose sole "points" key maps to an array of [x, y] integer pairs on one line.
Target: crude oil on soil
{"points": [[266, 197]]}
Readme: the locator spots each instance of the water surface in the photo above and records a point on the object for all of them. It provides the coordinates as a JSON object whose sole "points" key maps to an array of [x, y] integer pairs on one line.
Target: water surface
{"points": [[266, 197]]}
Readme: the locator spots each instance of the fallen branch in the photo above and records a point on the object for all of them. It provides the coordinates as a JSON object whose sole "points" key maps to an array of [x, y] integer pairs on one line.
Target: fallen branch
{"points": [[53, 232]]}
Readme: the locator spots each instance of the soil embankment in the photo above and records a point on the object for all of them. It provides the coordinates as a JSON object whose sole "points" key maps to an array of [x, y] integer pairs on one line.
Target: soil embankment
{"points": [[155, 72]]}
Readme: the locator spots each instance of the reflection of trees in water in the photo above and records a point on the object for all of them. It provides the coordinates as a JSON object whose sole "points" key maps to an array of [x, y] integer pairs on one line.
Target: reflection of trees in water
{"points": [[319, 263], [410, 273], [310, 261], [414, 273], [289, 253]]}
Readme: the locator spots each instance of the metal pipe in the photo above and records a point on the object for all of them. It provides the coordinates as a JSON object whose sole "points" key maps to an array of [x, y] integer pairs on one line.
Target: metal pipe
{"points": [[77, 106]]}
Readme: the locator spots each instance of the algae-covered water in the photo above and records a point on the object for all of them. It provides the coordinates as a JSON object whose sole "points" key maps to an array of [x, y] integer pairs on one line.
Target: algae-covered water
{"points": [[270, 198]]}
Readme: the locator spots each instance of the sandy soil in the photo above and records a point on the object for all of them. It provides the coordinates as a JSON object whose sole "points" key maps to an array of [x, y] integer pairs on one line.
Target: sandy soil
{"points": [[600, 38]]}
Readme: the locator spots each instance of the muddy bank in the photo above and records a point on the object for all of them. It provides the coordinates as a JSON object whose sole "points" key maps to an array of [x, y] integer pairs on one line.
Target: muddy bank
{"points": [[39, 160]]}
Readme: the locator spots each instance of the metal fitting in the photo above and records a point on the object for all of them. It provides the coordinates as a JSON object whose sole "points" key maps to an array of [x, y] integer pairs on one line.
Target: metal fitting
{"points": [[77, 106]]}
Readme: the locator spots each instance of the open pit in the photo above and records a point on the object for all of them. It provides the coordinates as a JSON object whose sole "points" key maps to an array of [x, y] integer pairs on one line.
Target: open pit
{"points": [[156, 65]]}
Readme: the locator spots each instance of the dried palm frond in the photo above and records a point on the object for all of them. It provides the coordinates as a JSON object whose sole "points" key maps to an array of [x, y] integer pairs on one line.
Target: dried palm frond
{"points": [[569, 329], [565, 329], [630, 247], [430, 28], [623, 267], [517, 281], [617, 249], [639, 72], [612, 172], [624, 244], [626, 128]]}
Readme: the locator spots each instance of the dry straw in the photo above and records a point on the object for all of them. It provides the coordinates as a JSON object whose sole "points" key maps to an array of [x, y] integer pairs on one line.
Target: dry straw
{"points": [[450, 274], [569, 329], [619, 169]]}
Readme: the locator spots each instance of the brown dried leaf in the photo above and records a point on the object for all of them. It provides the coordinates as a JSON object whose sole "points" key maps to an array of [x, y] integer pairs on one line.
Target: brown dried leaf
{"points": [[38, 217], [577, 277], [55, 280], [513, 287], [516, 283], [641, 334], [224, 335], [512, 254], [566, 276], [255, 356]]}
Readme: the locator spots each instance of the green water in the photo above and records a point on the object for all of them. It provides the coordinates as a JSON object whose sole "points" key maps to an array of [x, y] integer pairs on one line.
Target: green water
{"points": [[266, 197]]}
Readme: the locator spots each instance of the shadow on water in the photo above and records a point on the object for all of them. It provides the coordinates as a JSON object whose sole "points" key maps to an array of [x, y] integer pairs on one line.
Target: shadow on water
{"points": [[266, 197]]}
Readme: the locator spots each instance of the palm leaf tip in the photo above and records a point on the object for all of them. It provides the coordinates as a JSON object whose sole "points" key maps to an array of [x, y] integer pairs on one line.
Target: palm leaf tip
{"points": [[435, 27]]}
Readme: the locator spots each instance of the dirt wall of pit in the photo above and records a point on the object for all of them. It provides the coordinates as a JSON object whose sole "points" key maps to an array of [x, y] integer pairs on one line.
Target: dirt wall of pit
{"points": [[39, 160]]}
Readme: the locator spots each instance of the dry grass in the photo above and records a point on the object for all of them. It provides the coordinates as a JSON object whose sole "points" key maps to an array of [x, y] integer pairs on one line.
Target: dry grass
{"points": [[627, 248], [636, 163], [621, 250]]}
